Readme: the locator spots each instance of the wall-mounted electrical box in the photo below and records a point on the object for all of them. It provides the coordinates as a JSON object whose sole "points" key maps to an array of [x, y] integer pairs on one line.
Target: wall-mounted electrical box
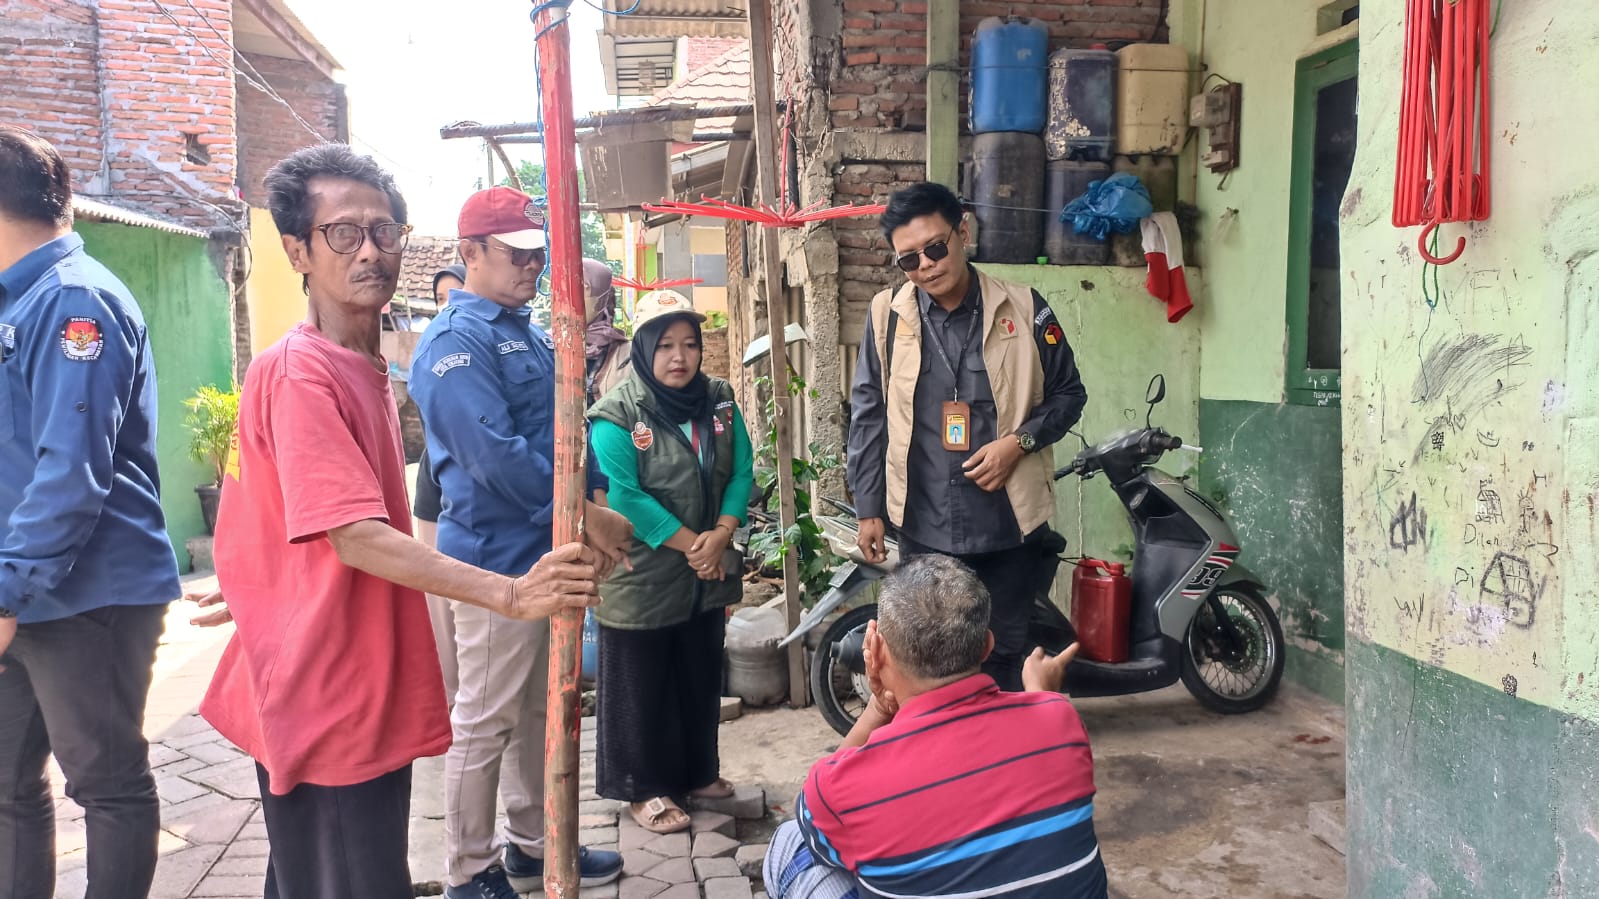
{"points": [[1219, 110]]}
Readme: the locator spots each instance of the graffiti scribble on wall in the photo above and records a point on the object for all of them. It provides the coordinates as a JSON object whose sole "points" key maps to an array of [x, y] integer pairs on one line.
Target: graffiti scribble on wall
{"points": [[1463, 375]]}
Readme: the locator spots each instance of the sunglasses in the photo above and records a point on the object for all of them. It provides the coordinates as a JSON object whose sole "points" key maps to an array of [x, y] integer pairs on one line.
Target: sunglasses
{"points": [[519, 258], [345, 238], [934, 252]]}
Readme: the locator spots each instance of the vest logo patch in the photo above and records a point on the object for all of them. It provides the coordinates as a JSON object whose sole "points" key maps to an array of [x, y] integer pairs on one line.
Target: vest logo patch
{"points": [[81, 340], [1010, 326], [513, 346], [1053, 335], [454, 360], [643, 437]]}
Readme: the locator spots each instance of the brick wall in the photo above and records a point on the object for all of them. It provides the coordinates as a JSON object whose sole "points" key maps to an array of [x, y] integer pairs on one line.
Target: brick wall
{"points": [[864, 256], [48, 62], [166, 74], [268, 131], [879, 80]]}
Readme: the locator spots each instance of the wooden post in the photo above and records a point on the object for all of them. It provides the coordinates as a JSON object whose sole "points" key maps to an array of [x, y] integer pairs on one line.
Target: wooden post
{"points": [[767, 155], [943, 88], [566, 321]]}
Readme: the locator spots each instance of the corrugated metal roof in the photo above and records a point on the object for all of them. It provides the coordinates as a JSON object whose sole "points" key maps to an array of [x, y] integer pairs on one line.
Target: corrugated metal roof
{"points": [[101, 211], [676, 18]]}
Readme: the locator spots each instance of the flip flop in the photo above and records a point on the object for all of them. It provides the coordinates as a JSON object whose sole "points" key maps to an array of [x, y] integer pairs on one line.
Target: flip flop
{"points": [[719, 788], [656, 813]]}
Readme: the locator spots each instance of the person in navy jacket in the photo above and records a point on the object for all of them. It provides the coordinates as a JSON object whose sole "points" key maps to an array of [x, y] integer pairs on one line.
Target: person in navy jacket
{"points": [[86, 569]]}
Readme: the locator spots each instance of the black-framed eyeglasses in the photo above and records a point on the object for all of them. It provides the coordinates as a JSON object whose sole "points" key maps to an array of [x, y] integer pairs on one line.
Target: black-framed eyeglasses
{"points": [[934, 252], [519, 257], [345, 238]]}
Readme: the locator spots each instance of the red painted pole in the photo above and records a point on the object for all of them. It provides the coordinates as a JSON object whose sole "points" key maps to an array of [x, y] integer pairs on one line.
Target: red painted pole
{"points": [[566, 325]]}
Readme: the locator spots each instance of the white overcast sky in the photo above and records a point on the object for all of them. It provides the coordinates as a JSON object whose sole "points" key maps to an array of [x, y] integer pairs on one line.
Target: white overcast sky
{"points": [[412, 67]]}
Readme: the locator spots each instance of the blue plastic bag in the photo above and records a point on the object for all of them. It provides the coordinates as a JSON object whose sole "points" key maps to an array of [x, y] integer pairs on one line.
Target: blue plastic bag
{"points": [[1114, 204]]}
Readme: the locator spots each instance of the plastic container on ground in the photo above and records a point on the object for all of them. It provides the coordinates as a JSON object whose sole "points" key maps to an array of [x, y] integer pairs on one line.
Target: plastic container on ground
{"points": [[1007, 179], [1159, 174], [1102, 609], [1009, 75], [1082, 104], [757, 670], [1066, 181], [1152, 103]]}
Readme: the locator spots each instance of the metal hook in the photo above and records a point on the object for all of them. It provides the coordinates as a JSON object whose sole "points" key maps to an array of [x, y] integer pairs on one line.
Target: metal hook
{"points": [[1421, 246]]}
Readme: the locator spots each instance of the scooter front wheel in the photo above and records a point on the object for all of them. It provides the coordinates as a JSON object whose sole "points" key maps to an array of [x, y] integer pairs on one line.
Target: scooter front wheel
{"points": [[840, 693], [1234, 665]]}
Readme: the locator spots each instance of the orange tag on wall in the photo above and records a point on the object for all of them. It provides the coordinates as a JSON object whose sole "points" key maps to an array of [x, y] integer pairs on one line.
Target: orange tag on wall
{"points": [[957, 426]]}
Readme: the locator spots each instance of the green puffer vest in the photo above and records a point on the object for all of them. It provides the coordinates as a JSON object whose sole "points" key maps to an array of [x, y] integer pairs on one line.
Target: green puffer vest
{"points": [[662, 590]]}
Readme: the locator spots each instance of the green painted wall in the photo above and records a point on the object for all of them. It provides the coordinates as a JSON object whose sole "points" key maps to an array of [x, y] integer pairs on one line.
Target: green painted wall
{"points": [[1121, 338], [1277, 467], [1276, 471], [185, 306], [1471, 468], [1458, 789]]}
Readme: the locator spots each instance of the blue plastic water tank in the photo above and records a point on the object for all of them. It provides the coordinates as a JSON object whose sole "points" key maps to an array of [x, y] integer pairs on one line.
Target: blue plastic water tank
{"points": [[1010, 75]]}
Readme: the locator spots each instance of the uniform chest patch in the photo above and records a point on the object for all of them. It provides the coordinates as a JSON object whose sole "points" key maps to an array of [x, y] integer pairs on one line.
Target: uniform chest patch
{"points": [[513, 346], [454, 360], [81, 340], [643, 437]]}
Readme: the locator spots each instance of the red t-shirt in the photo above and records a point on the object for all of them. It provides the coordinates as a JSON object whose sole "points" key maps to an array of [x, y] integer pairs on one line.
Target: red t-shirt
{"points": [[332, 677]]}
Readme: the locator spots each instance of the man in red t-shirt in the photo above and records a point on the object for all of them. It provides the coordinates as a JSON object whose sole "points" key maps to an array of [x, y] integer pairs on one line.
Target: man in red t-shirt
{"points": [[331, 682]]}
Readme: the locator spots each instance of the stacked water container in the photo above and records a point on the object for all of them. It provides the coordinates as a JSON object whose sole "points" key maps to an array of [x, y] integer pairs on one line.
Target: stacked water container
{"points": [[1079, 139], [1151, 125], [1009, 88]]}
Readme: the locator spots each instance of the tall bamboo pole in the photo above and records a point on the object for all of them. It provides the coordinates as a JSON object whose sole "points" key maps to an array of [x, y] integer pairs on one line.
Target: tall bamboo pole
{"points": [[566, 627]]}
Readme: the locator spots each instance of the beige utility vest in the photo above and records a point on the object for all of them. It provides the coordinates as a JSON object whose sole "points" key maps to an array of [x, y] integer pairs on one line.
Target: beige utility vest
{"points": [[1015, 373]]}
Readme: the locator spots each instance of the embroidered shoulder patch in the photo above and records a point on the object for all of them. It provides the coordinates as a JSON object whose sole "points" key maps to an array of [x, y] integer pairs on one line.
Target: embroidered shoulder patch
{"points": [[454, 360], [643, 437], [8, 337], [81, 340], [1045, 314], [1053, 335], [513, 346]]}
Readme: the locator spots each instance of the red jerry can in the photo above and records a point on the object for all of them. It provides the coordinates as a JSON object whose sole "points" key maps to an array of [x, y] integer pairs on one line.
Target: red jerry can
{"points": [[1102, 609]]}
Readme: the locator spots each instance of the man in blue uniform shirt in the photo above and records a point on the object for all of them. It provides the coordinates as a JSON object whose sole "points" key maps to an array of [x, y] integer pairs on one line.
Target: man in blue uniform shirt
{"points": [[86, 570], [483, 377]]}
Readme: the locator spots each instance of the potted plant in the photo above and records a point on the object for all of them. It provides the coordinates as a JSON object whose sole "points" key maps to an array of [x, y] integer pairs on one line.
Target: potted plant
{"points": [[213, 414]]}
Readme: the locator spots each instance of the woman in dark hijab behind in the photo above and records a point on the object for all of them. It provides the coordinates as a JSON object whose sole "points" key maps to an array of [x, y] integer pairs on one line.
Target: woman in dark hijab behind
{"points": [[604, 344]]}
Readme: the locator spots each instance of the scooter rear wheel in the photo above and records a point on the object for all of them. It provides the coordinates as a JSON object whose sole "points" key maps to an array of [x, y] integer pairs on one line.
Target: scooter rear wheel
{"points": [[840, 694], [1237, 669]]}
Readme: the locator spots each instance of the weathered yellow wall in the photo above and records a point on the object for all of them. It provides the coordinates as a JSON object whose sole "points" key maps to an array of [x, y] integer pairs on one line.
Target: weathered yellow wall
{"points": [[1470, 457], [272, 293]]}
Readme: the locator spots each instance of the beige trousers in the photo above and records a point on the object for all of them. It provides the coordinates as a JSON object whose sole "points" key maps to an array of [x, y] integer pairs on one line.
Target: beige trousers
{"points": [[498, 720], [442, 617]]}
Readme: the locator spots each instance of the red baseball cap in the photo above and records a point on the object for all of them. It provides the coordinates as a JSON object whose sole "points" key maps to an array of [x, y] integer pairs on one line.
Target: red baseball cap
{"points": [[505, 214]]}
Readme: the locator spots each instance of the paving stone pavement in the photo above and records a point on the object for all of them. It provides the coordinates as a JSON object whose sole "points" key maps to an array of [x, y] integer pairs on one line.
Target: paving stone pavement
{"points": [[213, 840]]}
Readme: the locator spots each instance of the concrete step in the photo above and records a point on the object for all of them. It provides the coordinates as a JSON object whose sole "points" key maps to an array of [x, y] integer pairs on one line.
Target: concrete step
{"points": [[1327, 823]]}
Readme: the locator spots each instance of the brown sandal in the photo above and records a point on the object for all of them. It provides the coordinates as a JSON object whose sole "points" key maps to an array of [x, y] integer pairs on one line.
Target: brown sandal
{"points": [[655, 814], [720, 788]]}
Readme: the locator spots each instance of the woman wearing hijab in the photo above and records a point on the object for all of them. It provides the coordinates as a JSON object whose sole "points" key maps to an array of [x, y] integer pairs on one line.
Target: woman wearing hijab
{"points": [[604, 344], [674, 446]]}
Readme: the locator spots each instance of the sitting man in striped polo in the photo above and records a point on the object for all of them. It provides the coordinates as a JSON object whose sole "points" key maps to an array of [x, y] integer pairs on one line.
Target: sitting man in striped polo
{"points": [[947, 786]]}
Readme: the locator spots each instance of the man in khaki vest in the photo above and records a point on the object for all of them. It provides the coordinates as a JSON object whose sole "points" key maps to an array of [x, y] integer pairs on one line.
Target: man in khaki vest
{"points": [[950, 438]]}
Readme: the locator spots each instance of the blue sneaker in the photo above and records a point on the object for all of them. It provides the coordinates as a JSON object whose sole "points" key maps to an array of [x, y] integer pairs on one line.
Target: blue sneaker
{"points": [[595, 867], [489, 884]]}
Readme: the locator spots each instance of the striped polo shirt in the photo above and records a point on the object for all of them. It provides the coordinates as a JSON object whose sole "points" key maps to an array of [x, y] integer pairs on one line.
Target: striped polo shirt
{"points": [[968, 792]]}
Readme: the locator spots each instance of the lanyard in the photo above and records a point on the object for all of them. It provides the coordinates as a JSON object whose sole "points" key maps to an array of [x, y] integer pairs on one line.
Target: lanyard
{"points": [[938, 344]]}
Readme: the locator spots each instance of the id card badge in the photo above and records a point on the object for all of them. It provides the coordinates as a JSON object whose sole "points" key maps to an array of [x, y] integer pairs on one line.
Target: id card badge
{"points": [[957, 425]]}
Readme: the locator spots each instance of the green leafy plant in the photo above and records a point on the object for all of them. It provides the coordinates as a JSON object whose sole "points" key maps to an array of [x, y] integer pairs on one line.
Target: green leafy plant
{"points": [[816, 558], [213, 413], [715, 319]]}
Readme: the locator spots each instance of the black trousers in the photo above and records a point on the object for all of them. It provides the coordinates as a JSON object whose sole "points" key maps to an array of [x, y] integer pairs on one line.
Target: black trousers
{"points": [[659, 706], [77, 687], [1013, 578], [349, 842]]}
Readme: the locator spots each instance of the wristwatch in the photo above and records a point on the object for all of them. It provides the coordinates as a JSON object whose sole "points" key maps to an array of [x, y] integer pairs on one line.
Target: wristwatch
{"points": [[1027, 441], [7, 613]]}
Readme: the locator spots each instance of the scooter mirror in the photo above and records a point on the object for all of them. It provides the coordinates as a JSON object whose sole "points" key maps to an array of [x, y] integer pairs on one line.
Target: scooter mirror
{"points": [[1079, 435], [1156, 391]]}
